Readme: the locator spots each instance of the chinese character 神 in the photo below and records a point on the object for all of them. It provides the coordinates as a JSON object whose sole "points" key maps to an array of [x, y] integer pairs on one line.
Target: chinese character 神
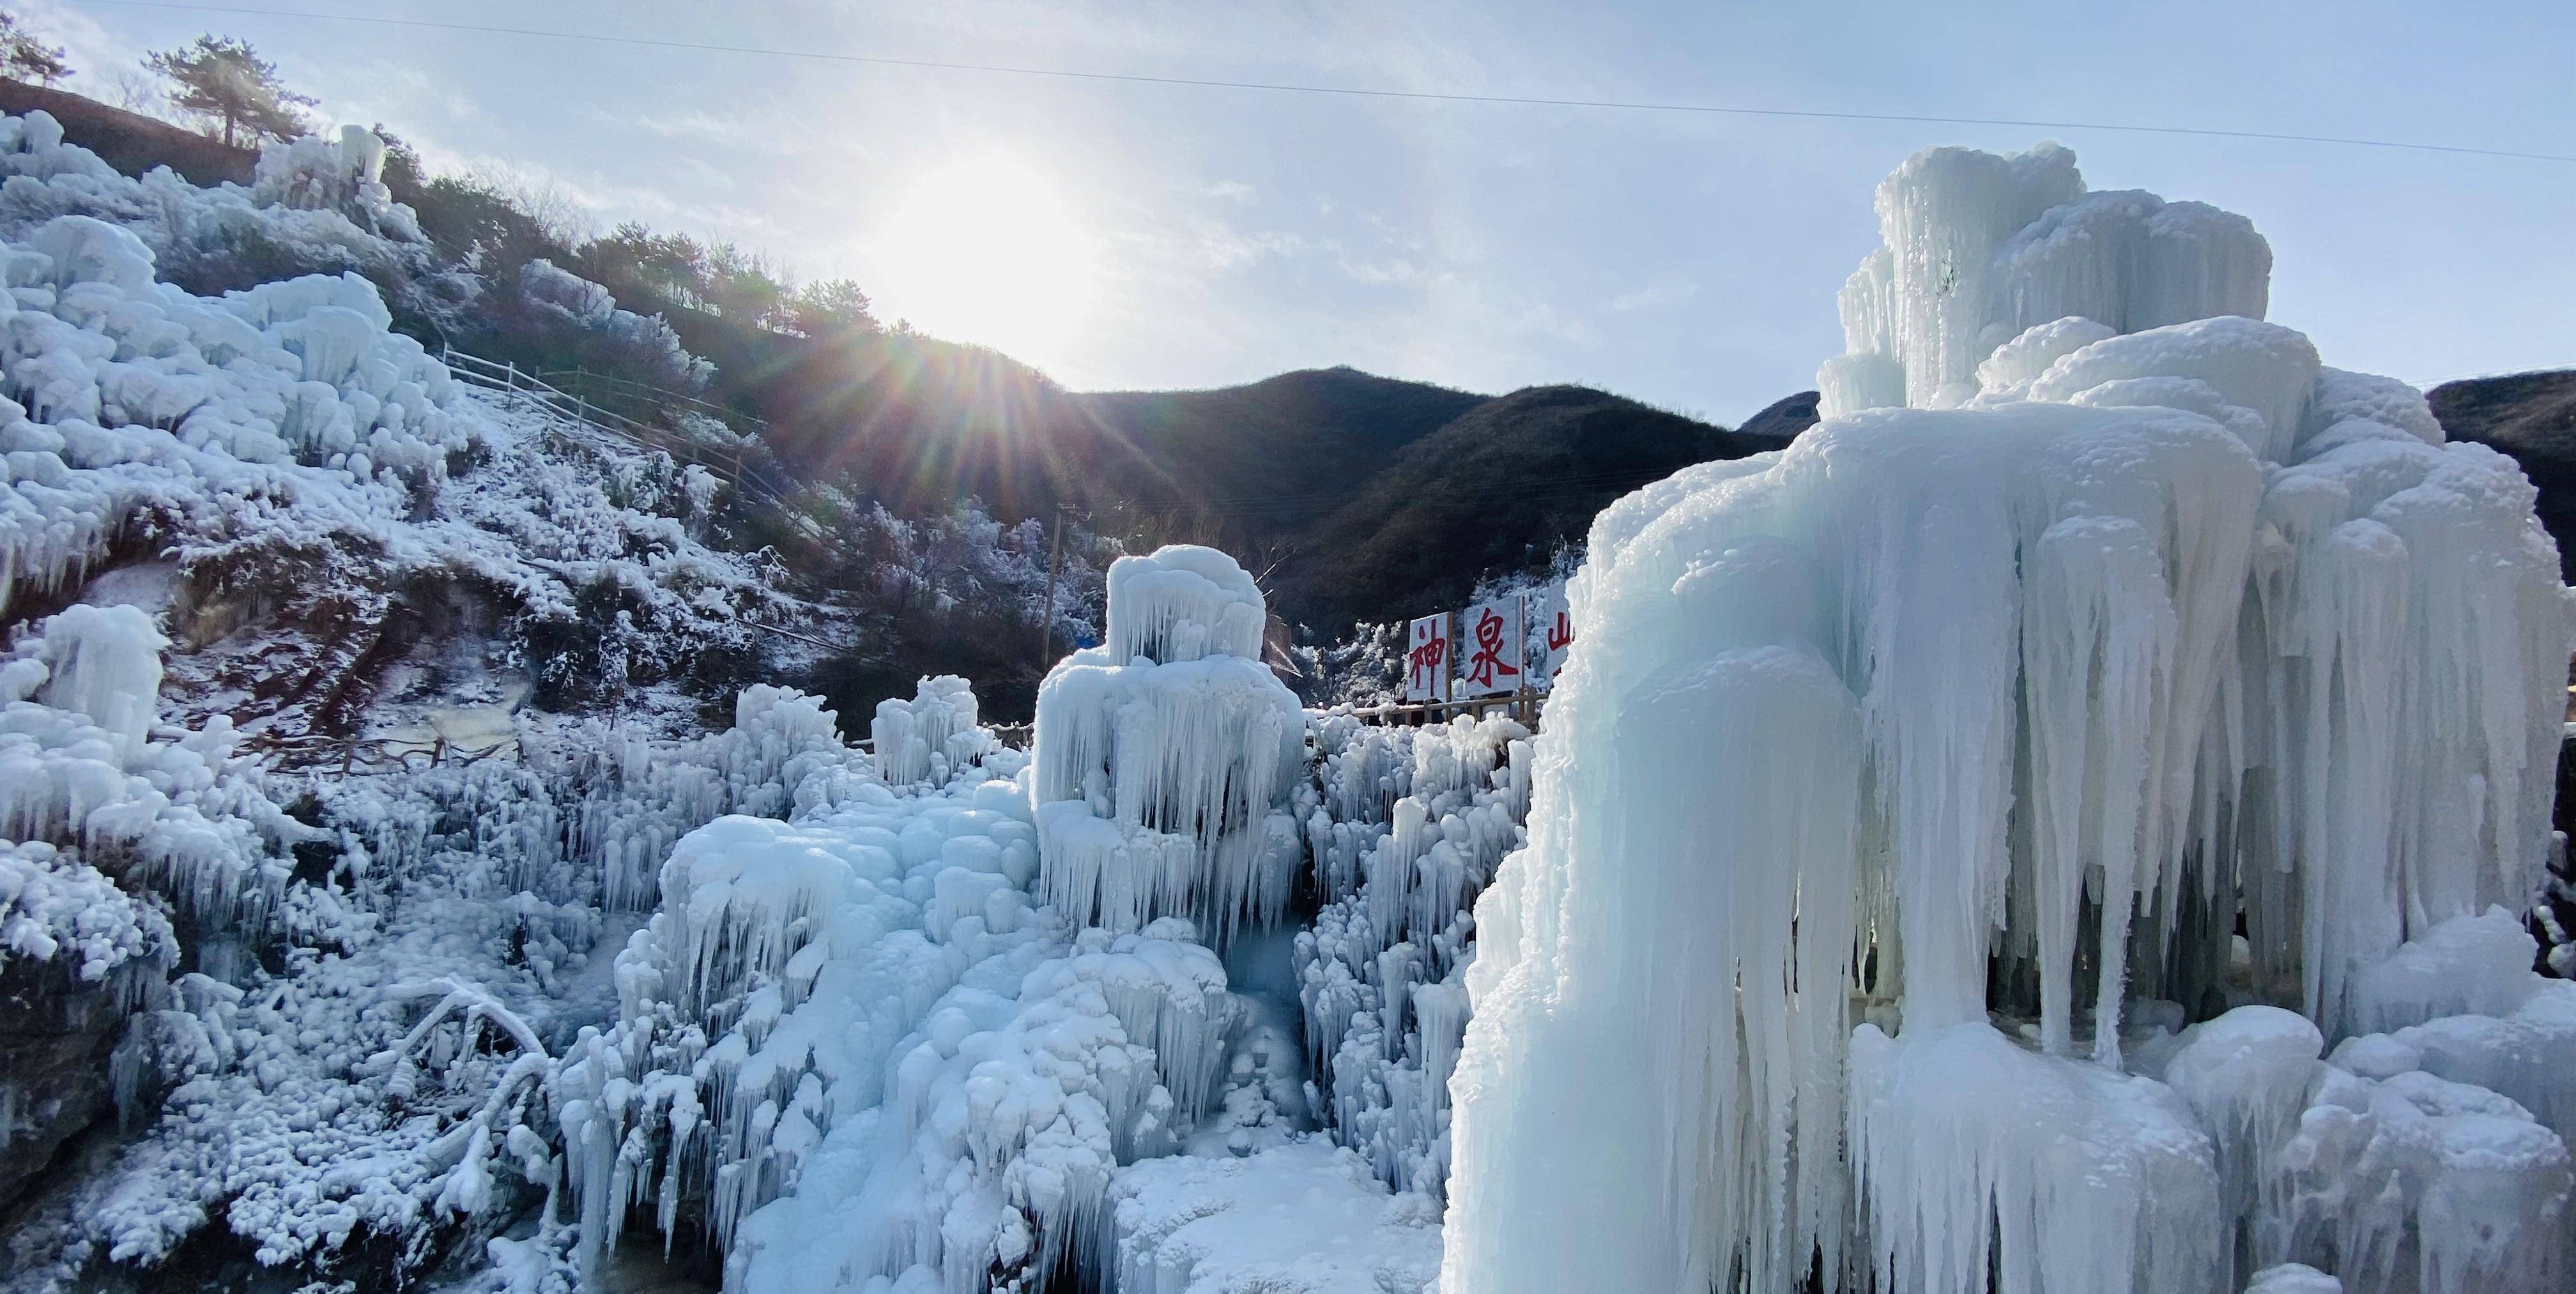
{"points": [[1426, 660]]}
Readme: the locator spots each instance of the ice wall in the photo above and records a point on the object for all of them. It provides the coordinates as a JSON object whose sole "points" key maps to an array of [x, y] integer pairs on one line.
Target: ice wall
{"points": [[853, 1047], [2097, 616], [1164, 758]]}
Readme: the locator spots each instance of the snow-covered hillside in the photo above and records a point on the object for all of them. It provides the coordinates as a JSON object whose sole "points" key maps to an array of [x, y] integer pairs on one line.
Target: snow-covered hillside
{"points": [[254, 530]]}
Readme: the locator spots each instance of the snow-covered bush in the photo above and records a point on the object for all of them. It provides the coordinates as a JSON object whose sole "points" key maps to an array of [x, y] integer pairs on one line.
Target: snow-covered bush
{"points": [[569, 309]]}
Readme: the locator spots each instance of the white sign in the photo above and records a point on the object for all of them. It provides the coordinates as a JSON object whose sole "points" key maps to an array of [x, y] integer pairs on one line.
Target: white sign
{"points": [[1554, 631], [1426, 660], [1490, 662]]}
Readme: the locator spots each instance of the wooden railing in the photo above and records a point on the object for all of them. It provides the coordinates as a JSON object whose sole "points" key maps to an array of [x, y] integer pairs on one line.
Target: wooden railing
{"points": [[582, 421], [1523, 705]]}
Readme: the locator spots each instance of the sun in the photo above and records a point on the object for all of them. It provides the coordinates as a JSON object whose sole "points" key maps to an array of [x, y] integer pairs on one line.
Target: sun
{"points": [[984, 251]]}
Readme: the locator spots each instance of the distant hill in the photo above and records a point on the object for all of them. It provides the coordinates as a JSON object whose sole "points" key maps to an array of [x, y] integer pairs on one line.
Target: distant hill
{"points": [[2531, 416], [1500, 487], [1357, 496]]}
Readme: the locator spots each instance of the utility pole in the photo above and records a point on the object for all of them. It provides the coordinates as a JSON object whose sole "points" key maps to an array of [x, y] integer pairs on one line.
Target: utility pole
{"points": [[1046, 613]]}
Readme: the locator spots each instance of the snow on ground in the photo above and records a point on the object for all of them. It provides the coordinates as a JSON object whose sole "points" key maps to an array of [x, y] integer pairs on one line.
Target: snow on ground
{"points": [[1303, 1218]]}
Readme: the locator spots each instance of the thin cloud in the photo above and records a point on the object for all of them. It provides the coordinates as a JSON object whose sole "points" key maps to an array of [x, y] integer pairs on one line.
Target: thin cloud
{"points": [[1663, 292]]}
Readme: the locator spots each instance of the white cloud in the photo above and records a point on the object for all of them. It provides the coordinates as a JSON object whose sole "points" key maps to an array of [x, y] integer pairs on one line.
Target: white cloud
{"points": [[1661, 292]]}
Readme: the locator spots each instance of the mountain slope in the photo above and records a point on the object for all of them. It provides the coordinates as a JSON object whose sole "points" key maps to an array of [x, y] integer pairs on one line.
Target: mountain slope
{"points": [[1361, 496], [1500, 487]]}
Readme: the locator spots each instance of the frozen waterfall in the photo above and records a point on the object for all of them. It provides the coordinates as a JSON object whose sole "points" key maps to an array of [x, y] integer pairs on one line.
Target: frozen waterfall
{"points": [[1164, 759], [1908, 787]]}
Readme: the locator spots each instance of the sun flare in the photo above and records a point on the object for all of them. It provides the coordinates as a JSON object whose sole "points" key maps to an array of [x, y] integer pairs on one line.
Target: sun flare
{"points": [[985, 251]]}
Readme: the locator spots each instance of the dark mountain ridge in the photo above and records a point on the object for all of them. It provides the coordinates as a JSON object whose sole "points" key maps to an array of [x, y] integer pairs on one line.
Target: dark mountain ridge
{"points": [[2531, 416], [1358, 497]]}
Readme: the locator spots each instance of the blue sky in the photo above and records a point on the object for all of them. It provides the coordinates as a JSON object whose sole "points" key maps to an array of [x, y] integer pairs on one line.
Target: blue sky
{"points": [[1687, 260]]}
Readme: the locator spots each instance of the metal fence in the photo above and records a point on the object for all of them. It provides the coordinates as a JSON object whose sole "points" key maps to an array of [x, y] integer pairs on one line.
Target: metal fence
{"points": [[583, 421]]}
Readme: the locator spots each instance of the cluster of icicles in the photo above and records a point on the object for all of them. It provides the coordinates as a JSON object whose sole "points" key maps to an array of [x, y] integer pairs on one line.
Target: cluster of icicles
{"points": [[1164, 758], [1406, 827], [910, 1033], [2096, 622]]}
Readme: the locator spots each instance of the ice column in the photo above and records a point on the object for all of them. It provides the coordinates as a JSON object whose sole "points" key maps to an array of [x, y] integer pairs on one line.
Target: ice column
{"points": [[1164, 759]]}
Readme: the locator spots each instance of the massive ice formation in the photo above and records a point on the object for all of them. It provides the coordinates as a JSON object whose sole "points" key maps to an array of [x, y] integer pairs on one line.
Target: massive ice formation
{"points": [[122, 392], [1164, 758], [2098, 620], [83, 767], [854, 1047]]}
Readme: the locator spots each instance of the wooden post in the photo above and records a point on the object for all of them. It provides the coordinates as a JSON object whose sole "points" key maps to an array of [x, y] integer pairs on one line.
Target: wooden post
{"points": [[1046, 610]]}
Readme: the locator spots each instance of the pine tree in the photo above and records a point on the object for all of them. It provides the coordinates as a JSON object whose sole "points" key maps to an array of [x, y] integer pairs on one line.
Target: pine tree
{"points": [[27, 58], [223, 79]]}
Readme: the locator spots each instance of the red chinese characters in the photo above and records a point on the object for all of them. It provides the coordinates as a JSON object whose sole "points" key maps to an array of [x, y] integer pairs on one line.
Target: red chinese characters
{"points": [[1426, 668]]}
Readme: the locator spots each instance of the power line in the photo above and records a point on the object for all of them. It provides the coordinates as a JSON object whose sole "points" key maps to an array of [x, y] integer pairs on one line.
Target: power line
{"points": [[1361, 92]]}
